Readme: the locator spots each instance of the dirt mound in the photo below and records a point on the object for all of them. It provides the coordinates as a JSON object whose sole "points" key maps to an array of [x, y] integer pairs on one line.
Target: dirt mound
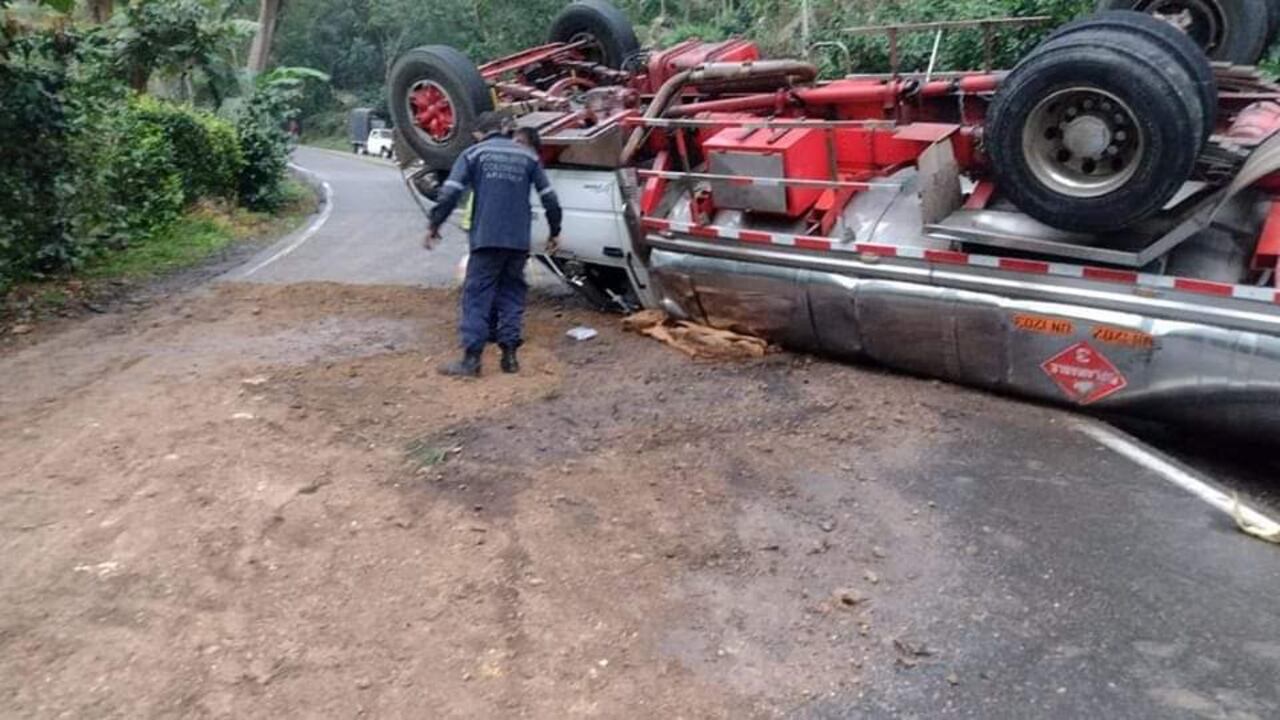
{"points": [[263, 502]]}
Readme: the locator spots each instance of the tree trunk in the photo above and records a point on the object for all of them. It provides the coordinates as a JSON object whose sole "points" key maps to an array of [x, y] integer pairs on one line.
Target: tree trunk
{"points": [[139, 76], [100, 10], [260, 51]]}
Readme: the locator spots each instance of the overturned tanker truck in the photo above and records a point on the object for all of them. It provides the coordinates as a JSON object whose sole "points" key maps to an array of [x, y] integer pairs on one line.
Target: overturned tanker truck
{"points": [[1098, 227]]}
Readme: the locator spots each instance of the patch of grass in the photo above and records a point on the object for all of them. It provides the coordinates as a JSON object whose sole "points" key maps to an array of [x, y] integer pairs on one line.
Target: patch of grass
{"points": [[193, 237], [421, 454], [201, 232], [53, 298], [329, 142]]}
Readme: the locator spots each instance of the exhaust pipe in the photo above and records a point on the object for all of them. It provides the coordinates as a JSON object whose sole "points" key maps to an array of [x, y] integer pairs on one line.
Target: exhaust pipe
{"points": [[715, 75]]}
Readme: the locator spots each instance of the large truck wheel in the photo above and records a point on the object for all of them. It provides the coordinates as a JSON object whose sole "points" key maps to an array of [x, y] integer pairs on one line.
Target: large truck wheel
{"points": [[1177, 44], [1234, 31], [436, 93], [1159, 60], [1093, 136], [609, 35]]}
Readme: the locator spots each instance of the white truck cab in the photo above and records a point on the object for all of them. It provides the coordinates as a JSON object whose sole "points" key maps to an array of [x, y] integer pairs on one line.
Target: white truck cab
{"points": [[379, 142], [595, 242]]}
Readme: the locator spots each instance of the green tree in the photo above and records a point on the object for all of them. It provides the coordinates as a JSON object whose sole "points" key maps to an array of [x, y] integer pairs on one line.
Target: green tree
{"points": [[264, 143], [173, 37], [260, 50]]}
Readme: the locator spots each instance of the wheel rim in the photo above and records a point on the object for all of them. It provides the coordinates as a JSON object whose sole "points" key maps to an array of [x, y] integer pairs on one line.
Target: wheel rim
{"points": [[1200, 19], [1082, 142], [432, 111]]}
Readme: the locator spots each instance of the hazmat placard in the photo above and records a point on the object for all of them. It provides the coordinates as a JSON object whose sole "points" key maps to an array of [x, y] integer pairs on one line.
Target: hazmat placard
{"points": [[1084, 373]]}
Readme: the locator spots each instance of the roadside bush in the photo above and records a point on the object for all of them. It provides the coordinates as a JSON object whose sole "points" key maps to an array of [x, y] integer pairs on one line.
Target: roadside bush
{"points": [[265, 147], [206, 151], [34, 126], [143, 177], [264, 142], [327, 124], [88, 166]]}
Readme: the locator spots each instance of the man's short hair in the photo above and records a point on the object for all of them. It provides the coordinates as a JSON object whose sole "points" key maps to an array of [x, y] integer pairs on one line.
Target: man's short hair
{"points": [[489, 122], [530, 137]]}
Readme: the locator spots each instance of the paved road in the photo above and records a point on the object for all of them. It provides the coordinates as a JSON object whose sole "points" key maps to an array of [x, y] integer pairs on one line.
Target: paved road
{"points": [[372, 233], [1073, 582], [1081, 586]]}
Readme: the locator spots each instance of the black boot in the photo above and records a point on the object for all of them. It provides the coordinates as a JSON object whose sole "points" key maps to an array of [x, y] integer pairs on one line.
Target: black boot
{"points": [[468, 366], [509, 362]]}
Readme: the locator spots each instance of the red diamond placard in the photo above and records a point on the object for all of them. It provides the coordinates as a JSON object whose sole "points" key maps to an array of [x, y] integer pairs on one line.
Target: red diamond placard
{"points": [[1084, 374]]}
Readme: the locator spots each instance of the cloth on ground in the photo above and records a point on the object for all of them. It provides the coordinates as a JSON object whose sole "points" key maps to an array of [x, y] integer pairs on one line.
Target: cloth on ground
{"points": [[694, 340]]}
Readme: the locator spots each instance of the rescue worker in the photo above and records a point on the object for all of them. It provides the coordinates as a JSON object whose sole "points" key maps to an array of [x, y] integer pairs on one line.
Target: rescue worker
{"points": [[499, 173]]}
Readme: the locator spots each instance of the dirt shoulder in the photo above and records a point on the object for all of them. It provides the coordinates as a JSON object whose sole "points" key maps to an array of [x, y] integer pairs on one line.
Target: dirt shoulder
{"points": [[208, 240], [254, 501]]}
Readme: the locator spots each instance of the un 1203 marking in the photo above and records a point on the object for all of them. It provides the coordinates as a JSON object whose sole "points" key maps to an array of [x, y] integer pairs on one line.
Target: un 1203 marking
{"points": [[1043, 324], [1120, 336]]}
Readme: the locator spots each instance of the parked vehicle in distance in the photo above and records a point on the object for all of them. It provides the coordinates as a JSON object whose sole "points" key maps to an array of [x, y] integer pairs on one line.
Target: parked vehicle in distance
{"points": [[360, 123], [379, 142]]}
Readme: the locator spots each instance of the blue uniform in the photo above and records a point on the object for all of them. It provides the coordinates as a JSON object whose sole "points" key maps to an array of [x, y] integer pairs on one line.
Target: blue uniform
{"points": [[499, 173]]}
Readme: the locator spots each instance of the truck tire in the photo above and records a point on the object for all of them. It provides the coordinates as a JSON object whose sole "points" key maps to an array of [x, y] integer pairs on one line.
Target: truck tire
{"points": [[435, 95], [611, 38], [1181, 47], [1158, 59], [1233, 31], [1090, 136]]}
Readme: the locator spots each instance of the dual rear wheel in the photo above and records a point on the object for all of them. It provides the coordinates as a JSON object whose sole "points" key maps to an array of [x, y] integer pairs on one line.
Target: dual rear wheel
{"points": [[1234, 31], [1101, 124], [436, 92]]}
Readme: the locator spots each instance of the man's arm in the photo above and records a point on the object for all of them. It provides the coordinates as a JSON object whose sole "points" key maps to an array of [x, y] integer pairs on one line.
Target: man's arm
{"points": [[549, 202], [450, 194]]}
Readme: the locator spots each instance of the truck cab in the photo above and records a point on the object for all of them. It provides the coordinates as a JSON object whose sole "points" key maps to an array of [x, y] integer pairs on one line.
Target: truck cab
{"points": [[380, 142]]}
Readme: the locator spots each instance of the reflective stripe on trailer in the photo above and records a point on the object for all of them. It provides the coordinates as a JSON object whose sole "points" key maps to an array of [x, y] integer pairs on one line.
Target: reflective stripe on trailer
{"points": [[748, 180], [951, 257]]}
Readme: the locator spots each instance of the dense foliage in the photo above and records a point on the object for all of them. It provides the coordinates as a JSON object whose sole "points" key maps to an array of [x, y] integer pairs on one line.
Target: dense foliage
{"points": [[89, 163]]}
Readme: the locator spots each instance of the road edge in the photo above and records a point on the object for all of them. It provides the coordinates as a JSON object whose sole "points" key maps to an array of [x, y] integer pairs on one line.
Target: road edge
{"points": [[1247, 519], [287, 244]]}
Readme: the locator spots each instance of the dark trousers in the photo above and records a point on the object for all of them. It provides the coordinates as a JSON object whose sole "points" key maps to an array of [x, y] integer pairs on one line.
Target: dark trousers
{"points": [[493, 297]]}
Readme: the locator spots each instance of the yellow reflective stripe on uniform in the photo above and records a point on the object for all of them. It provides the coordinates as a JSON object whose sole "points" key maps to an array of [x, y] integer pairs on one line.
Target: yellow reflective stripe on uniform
{"points": [[465, 222]]}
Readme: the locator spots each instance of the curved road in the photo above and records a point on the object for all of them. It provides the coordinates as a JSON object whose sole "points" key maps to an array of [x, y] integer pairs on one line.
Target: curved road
{"points": [[371, 235], [1084, 580]]}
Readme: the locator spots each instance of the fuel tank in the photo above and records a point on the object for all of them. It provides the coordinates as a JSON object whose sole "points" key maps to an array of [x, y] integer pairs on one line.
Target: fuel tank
{"points": [[1185, 372]]}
